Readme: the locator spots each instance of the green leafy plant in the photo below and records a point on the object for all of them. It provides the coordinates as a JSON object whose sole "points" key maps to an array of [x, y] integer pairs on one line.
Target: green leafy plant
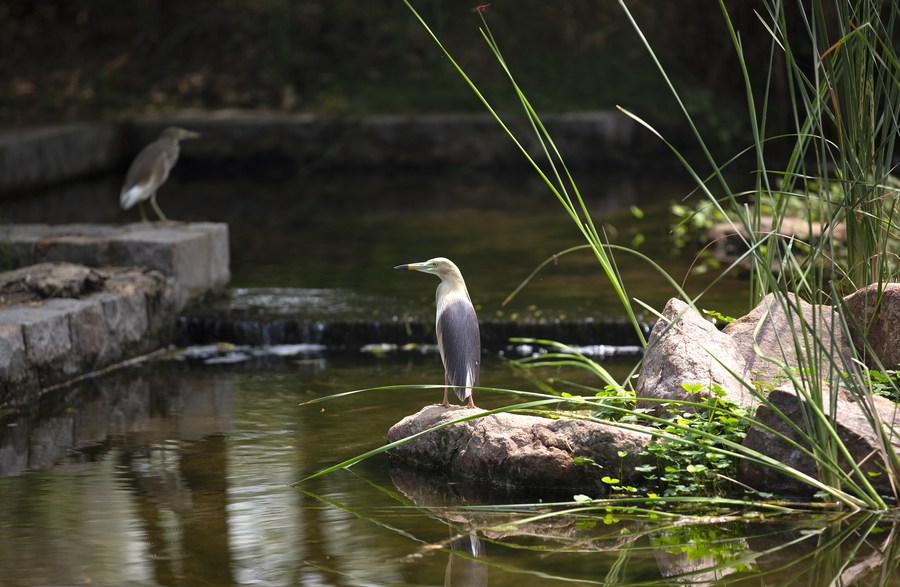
{"points": [[886, 384], [690, 459]]}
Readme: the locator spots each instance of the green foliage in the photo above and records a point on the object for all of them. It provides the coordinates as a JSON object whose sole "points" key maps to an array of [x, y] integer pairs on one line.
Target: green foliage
{"points": [[693, 223], [689, 455], [886, 384]]}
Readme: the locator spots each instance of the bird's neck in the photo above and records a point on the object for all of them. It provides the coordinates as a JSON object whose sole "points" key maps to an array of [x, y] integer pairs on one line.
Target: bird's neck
{"points": [[452, 289]]}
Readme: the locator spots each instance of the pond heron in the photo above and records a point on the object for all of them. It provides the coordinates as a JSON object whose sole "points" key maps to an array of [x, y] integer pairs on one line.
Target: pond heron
{"points": [[456, 325], [151, 168]]}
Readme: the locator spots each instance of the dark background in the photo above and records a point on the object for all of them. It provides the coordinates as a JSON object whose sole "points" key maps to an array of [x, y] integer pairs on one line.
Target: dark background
{"points": [[112, 59]]}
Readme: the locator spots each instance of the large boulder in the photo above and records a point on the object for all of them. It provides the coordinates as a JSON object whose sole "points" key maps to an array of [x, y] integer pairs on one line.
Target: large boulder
{"points": [[784, 340], [685, 348], [519, 452], [875, 316], [851, 423], [764, 348], [776, 338]]}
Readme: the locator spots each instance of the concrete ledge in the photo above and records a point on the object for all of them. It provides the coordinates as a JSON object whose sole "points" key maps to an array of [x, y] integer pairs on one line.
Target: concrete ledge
{"points": [[90, 296], [194, 256], [603, 138], [109, 315], [49, 155]]}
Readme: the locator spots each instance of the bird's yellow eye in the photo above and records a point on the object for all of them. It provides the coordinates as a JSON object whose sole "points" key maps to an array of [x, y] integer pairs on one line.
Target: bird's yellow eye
{"points": [[432, 264]]}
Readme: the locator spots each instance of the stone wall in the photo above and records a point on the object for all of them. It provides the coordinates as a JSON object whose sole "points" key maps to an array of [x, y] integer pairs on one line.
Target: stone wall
{"points": [[38, 157], [34, 158], [89, 296]]}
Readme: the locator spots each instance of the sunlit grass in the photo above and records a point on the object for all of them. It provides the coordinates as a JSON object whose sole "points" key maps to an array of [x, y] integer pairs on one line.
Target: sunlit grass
{"points": [[816, 159]]}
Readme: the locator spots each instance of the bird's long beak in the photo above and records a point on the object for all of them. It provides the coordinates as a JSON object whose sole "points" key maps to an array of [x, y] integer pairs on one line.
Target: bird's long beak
{"points": [[191, 135], [411, 266]]}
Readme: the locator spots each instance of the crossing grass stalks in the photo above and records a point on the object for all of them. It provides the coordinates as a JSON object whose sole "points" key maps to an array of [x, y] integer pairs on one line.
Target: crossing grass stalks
{"points": [[845, 107]]}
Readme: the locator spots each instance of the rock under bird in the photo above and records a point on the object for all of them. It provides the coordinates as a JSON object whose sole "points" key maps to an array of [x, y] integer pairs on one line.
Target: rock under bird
{"points": [[150, 169], [456, 325]]}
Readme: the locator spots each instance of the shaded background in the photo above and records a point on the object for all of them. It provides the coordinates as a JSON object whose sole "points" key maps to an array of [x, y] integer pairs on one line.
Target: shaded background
{"points": [[108, 59]]}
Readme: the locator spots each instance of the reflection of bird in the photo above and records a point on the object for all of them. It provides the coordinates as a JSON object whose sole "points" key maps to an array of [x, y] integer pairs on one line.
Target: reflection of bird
{"points": [[456, 326], [151, 168], [465, 567]]}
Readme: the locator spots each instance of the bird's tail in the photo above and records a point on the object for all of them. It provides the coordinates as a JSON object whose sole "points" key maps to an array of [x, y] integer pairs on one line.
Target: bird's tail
{"points": [[130, 197]]}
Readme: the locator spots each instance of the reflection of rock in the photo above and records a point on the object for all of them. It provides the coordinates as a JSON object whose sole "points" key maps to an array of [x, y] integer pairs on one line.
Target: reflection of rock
{"points": [[433, 489], [815, 551], [163, 406], [678, 562], [440, 495], [464, 567], [523, 454]]}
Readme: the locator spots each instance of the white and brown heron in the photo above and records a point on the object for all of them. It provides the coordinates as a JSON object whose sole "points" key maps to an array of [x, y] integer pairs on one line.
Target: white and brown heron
{"points": [[150, 169], [456, 325]]}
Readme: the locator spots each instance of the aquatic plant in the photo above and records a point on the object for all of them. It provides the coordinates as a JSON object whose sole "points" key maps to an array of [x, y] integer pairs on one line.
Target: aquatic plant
{"points": [[845, 112], [845, 109]]}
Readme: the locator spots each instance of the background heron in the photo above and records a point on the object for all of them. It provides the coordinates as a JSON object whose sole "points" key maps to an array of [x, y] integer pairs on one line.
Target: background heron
{"points": [[456, 325], [150, 169]]}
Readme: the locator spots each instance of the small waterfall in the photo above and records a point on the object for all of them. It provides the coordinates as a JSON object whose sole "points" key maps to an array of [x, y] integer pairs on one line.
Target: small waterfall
{"points": [[288, 317]]}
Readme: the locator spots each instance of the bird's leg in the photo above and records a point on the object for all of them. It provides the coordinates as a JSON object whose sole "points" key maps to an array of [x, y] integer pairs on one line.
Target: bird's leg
{"points": [[141, 208], [471, 404], [156, 208], [446, 402]]}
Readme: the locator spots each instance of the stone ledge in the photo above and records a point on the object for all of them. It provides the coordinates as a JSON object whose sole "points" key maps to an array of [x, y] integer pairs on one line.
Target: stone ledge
{"points": [[113, 314], [195, 256], [603, 138], [48, 155]]}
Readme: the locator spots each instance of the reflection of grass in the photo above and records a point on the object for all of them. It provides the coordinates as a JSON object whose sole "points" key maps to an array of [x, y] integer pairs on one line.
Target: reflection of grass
{"points": [[723, 541]]}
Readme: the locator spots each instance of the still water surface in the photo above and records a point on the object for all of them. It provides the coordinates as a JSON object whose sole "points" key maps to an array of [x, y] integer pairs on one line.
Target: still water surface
{"points": [[347, 231], [170, 474], [179, 474]]}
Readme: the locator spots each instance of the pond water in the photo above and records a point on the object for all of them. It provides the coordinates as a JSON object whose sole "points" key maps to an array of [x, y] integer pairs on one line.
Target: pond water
{"points": [[180, 473], [347, 231]]}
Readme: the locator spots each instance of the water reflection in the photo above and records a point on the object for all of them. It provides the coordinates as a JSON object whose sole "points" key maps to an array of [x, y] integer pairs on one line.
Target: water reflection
{"points": [[466, 566], [179, 475]]}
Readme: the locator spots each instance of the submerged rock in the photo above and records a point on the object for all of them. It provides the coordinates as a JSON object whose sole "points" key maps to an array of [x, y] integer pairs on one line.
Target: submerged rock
{"points": [[514, 451]]}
